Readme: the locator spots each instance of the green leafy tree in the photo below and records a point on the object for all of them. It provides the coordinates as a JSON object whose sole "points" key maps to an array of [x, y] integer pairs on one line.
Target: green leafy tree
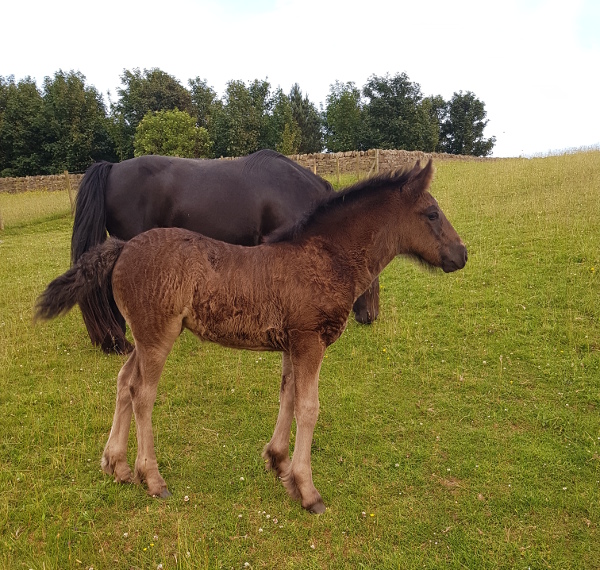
{"points": [[290, 140], [262, 103], [150, 90], [21, 127], [283, 131], [308, 120], [395, 115], [76, 128], [343, 118], [205, 102], [171, 133], [239, 127], [434, 107], [463, 125]]}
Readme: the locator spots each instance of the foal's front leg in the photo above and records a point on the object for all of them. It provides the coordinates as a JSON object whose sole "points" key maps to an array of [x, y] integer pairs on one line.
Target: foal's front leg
{"points": [[277, 451], [306, 354]]}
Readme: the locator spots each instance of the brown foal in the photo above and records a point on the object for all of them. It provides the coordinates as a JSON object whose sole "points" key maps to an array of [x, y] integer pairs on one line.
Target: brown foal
{"points": [[292, 294]]}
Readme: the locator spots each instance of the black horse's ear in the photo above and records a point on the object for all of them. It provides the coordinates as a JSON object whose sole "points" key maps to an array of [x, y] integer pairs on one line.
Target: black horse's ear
{"points": [[420, 179]]}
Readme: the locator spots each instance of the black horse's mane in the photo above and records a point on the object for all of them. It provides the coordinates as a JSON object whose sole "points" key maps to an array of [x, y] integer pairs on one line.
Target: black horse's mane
{"points": [[261, 157], [258, 158], [396, 178]]}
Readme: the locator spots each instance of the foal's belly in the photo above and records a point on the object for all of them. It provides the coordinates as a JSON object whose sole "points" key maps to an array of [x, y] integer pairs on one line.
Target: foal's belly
{"points": [[234, 329]]}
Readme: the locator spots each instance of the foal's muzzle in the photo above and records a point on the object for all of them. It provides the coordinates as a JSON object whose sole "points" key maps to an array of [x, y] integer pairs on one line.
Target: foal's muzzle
{"points": [[455, 259]]}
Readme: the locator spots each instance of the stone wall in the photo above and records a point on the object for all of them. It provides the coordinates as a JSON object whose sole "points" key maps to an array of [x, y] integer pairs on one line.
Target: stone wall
{"points": [[49, 183], [363, 163], [368, 162]]}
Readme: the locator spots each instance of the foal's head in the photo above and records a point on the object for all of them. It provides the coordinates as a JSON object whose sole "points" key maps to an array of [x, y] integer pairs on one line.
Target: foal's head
{"points": [[429, 237]]}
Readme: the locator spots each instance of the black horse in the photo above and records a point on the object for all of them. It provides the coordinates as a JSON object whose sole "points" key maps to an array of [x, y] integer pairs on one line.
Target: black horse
{"points": [[237, 201]]}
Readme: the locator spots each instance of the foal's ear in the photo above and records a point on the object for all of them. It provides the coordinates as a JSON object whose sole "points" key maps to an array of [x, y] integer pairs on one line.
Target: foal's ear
{"points": [[420, 179]]}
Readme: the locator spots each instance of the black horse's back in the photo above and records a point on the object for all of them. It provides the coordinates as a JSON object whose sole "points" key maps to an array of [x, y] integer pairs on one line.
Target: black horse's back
{"points": [[237, 201]]}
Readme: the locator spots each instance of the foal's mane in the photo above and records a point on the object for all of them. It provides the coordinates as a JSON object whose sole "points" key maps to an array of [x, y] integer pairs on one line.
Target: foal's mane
{"points": [[396, 179]]}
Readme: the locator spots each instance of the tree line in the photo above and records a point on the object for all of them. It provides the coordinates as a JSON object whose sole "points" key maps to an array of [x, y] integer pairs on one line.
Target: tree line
{"points": [[66, 124]]}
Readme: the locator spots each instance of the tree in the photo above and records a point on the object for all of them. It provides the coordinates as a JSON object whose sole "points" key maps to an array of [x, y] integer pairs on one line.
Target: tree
{"points": [[290, 140], [75, 131], [462, 128], [308, 120], [150, 90], [204, 101], [434, 108], [395, 115], [262, 103], [343, 118], [283, 131], [171, 133], [21, 139], [241, 126]]}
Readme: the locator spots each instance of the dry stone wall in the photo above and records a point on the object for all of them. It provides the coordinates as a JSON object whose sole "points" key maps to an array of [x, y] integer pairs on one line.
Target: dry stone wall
{"points": [[369, 161], [363, 163], [49, 183]]}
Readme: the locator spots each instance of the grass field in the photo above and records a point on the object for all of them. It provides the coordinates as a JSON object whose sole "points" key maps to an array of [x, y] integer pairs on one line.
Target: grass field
{"points": [[461, 430]]}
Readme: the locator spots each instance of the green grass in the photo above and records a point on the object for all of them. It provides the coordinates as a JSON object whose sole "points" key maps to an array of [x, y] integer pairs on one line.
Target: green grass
{"points": [[27, 207], [459, 431]]}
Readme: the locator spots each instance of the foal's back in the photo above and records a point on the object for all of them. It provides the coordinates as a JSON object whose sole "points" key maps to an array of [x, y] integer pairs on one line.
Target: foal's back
{"points": [[168, 279]]}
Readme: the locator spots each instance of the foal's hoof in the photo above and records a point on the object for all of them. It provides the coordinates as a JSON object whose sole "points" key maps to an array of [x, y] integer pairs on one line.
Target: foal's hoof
{"points": [[118, 468], [317, 508]]}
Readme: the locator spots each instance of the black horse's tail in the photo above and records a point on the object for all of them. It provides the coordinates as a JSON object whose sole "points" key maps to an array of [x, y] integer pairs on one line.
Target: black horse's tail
{"points": [[104, 323], [88, 281], [89, 227]]}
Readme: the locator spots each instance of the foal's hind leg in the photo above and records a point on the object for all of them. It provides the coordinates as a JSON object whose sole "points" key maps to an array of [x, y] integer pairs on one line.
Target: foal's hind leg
{"points": [[277, 451], [306, 355], [152, 355], [114, 458]]}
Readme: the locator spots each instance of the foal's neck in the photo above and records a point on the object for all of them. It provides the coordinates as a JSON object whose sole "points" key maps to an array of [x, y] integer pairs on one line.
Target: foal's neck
{"points": [[367, 232]]}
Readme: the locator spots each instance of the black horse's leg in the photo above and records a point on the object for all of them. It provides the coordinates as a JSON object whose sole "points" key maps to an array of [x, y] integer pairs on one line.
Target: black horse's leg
{"points": [[366, 307], [115, 340]]}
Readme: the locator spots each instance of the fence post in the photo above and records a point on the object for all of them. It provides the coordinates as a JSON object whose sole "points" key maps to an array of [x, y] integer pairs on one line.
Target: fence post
{"points": [[70, 192]]}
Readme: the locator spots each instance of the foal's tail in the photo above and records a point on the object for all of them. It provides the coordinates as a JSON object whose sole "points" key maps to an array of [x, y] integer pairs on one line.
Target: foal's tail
{"points": [[88, 281]]}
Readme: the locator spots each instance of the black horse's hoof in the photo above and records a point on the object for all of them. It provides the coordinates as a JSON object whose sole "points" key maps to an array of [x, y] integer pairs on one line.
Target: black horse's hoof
{"points": [[114, 345]]}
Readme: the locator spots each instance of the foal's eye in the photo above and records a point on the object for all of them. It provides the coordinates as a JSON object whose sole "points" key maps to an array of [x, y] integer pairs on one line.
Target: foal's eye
{"points": [[433, 216]]}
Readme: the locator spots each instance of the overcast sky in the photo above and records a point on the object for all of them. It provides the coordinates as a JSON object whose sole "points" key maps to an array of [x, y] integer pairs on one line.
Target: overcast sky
{"points": [[534, 63]]}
